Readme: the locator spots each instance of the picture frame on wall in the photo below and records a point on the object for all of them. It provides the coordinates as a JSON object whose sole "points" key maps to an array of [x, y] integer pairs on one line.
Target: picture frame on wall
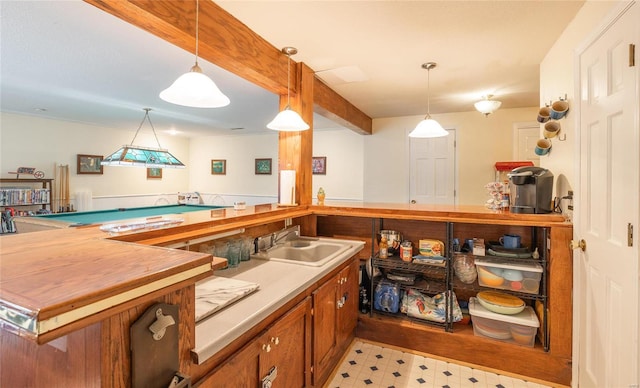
{"points": [[89, 164], [154, 173], [263, 166], [319, 165], [218, 167]]}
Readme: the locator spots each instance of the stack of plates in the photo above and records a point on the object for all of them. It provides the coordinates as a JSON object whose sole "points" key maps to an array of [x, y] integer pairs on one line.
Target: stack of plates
{"points": [[500, 303]]}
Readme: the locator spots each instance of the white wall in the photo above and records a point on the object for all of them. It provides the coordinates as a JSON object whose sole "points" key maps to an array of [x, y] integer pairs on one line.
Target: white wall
{"points": [[557, 78], [240, 181], [344, 150], [38, 142], [481, 141]]}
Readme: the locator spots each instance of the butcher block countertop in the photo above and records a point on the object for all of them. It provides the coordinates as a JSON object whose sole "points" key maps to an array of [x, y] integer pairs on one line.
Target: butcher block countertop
{"points": [[56, 281]]}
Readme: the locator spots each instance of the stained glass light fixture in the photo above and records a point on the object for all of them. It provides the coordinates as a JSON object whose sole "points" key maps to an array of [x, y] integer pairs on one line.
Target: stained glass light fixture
{"points": [[137, 156]]}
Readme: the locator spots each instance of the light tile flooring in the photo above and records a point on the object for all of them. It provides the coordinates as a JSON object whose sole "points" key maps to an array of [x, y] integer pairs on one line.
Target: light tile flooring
{"points": [[370, 365]]}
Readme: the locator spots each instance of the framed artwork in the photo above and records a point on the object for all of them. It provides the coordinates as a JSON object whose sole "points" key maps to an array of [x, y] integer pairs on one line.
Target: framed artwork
{"points": [[263, 166], [319, 165], [218, 167], [154, 173], [89, 164]]}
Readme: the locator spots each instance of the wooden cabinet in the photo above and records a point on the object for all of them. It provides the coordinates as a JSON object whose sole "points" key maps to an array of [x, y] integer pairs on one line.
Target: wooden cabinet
{"points": [[335, 315], [283, 346]]}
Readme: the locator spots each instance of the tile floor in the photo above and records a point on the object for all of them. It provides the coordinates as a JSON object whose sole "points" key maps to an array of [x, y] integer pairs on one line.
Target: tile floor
{"points": [[370, 365]]}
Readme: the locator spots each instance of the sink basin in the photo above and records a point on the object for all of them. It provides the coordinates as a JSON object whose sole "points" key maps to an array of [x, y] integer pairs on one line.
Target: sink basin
{"points": [[310, 251]]}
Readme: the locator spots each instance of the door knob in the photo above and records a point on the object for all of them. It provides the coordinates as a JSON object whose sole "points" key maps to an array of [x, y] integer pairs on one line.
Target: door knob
{"points": [[413, 201], [578, 244]]}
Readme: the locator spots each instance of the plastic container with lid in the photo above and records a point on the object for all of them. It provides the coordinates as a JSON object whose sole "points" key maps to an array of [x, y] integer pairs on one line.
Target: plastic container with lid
{"points": [[520, 277], [519, 329]]}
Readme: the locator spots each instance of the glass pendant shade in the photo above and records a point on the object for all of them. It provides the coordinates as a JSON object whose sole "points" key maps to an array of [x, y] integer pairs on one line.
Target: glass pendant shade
{"points": [[196, 90], [428, 128], [288, 120], [486, 106]]}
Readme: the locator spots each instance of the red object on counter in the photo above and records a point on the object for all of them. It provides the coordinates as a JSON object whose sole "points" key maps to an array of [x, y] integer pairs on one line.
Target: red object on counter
{"points": [[508, 166]]}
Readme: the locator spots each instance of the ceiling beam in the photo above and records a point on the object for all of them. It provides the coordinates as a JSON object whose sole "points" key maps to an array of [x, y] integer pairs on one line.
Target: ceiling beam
{"points": [[333, 106], [229, 44]]}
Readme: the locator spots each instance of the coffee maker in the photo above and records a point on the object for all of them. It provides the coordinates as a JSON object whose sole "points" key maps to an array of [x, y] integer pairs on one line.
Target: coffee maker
{"points": [[531, 190]]}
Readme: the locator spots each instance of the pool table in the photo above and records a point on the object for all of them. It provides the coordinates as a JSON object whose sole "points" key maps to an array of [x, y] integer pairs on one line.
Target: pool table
{"points": [[102, 216]]}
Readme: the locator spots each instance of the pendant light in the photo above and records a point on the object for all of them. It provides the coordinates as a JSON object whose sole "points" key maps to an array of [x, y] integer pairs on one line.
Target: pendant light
{"points": [[132, 155], [428, 127], [194, 88], [288, 120], [486, 106]]}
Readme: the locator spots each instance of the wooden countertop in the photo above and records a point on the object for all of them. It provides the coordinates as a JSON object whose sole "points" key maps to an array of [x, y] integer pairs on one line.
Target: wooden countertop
{"points": [[55, 281], [454, 213]]}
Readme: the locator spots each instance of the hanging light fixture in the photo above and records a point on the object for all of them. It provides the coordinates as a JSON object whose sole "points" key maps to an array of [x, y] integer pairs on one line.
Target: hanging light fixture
{"points": [[288, 120], [428, 127], [194, 88], [132, 155], [486, 106]]}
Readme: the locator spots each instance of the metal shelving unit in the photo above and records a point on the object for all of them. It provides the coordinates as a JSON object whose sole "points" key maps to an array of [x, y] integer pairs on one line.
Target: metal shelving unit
{"points": [[435, 279]]}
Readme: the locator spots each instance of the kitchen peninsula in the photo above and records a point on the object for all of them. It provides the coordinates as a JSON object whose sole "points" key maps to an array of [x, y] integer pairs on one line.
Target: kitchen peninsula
{"points": [[83, 288]]}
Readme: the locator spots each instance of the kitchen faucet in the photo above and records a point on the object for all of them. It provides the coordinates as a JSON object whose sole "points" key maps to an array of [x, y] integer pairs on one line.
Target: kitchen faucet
{"points": [[266, 242], [284, 234]]}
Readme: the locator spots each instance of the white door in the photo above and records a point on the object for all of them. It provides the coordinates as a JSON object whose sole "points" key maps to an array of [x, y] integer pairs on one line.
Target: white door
{"points": [[525, 137], [607, 278], [433, 172]]}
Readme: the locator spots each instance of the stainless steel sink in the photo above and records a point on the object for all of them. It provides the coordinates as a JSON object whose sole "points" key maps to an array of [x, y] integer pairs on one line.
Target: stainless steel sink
{"points": [[305, 251]]}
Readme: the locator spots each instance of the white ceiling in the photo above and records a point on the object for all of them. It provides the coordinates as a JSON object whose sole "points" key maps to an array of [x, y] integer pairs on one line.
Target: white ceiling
{"points": [[82, 64]]}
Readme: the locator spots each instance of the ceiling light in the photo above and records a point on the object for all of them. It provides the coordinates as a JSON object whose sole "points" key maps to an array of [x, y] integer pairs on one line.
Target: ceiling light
{"points": [[132, 155], [486, 106], [288, 119], [194, 88], [428, 127]]}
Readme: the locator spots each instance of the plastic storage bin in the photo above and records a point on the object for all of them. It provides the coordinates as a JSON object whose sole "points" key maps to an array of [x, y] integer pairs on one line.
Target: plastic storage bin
{"points": [[523, 277], [518, 329]]}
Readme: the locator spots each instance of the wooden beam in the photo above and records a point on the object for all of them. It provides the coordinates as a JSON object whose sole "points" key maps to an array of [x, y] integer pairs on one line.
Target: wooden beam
{"points": [[231, 45], [331, 105], [223, 39]]}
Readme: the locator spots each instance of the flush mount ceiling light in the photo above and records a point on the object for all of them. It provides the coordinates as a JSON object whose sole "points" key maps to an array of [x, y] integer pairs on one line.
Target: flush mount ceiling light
{"points": [[194, 88], [428, 127], [486, 106], [132, 155], [288, 120]]}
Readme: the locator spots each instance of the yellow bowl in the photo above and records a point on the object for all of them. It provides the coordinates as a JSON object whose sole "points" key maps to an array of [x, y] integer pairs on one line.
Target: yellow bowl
{"points": [[489, 279]]}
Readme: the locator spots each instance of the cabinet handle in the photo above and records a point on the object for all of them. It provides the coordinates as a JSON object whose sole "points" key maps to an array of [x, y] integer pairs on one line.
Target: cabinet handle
{"points": [[266, 347], [275, 340], [340, 303]]}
